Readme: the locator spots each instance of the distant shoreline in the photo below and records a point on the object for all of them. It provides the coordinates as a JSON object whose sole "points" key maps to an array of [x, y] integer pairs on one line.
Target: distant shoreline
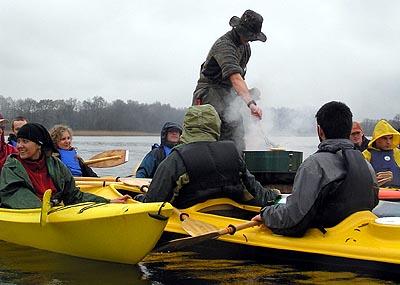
{"points": [[88, 133], [112, 133]]}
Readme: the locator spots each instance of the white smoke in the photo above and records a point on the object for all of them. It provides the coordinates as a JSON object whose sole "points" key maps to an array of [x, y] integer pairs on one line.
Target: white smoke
{"points": [[256, 131]]}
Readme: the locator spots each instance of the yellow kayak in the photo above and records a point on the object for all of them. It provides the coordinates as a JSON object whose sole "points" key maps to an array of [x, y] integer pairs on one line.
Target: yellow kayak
{"points": [[123, 233], [361, 236]]}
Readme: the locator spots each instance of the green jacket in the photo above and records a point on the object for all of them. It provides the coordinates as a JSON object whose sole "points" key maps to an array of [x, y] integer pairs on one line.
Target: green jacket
{"points": [[201, 124], [17, 192]]}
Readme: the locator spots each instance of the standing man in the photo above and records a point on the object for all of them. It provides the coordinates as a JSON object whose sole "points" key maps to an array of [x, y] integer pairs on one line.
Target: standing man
{"points": [[222, 75], [330, 185]]}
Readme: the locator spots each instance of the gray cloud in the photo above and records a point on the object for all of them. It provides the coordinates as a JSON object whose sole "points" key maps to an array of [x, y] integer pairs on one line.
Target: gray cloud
{"points": [[152, 50]]}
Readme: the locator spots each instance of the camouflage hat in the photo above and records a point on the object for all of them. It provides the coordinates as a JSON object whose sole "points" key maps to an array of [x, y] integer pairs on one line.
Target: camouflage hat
{"points": [[249, 26]]}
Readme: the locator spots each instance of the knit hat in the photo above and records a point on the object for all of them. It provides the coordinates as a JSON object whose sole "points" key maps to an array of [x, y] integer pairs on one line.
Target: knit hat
{"points": [[38, 134]]}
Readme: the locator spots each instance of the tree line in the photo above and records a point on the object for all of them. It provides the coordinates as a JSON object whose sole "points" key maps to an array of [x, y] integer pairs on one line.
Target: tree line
{"points": [[93, 114], [98, 114]]}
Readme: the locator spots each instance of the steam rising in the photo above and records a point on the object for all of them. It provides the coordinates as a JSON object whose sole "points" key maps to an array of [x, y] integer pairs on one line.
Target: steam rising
{"points": [[275, 122]]}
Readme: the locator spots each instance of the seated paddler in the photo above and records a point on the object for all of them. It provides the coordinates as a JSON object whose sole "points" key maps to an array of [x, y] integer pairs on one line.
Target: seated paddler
{"points": [[62, 139], [202, 168], [384, 155], [27, 175], [330, 185], [170, 134]]}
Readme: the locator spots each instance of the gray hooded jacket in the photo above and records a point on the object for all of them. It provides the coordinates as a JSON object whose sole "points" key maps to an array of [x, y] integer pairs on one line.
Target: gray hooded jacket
{"points": [[316, 173]]}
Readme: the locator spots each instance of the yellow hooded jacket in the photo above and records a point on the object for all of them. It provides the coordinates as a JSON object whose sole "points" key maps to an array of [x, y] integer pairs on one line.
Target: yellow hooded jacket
{"points": [[383, 128]]}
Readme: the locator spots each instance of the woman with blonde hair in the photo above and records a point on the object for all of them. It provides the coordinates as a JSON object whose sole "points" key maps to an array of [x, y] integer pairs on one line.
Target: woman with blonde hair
{"points": [[62, 139]]}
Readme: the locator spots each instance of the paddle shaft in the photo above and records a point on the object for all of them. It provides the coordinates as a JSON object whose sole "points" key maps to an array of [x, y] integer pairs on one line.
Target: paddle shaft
{"points": [[231, 229], [97, 183], [100, 179]]}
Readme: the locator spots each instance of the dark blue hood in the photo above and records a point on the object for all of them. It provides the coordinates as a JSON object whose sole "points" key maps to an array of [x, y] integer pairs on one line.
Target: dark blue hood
{"points": [[167, 127]]}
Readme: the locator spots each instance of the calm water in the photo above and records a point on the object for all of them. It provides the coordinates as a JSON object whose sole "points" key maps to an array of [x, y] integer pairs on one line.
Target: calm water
{"points": [[22, 265], [139, 146]]}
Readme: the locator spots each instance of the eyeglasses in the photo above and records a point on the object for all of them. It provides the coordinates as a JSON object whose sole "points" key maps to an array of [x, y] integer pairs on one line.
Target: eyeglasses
{"points": [[355, 134]]}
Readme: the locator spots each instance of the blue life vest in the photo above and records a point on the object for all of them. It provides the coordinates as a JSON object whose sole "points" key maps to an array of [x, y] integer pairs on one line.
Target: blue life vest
{"points": [[383, 161], [167, 150], [69, 158]]}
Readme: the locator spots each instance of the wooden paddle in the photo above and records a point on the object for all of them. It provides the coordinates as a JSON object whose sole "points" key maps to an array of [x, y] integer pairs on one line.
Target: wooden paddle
{"points": [[109, 158], [46, 206], [177, 244], [99, 181], [193, 227]]}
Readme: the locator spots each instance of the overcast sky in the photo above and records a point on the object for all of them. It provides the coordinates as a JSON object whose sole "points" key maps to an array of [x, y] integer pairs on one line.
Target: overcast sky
{"points": [[150, 51]]}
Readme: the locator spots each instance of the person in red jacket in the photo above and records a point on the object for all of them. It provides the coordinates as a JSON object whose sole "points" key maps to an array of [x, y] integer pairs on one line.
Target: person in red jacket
{"points": [[5, 148]]}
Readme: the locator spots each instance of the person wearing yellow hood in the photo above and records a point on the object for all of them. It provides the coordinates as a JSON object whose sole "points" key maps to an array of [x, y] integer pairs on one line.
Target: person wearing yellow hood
{"points": [[203, 168], [384, 155]]}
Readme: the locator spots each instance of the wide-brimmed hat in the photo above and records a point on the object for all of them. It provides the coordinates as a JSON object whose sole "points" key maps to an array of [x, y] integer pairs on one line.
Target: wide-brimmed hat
{"points": [[249, 26]]}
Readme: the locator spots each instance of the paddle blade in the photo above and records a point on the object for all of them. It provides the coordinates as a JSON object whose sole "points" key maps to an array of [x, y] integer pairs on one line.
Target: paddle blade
{"points": [[45, 207], [196, 227], [181, 243], [109, 158]]}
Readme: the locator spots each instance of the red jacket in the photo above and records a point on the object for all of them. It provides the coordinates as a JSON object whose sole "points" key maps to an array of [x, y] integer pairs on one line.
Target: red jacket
{"points": [[5, 151]]}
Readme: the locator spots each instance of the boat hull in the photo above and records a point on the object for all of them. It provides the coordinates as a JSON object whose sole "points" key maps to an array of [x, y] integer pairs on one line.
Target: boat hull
{"points": [[122, 233]]}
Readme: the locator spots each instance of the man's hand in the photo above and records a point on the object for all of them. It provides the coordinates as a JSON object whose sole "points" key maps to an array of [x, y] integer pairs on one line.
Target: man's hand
{"points": [[257, 218], [242, 90], [256, 111], [121, 200], [384, 177]]}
